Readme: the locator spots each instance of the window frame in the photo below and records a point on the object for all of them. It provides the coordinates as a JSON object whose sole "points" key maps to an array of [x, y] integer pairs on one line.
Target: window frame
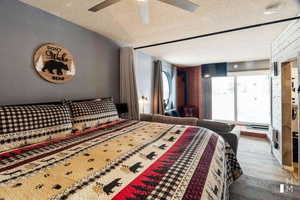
{"points": [[236, 104]]}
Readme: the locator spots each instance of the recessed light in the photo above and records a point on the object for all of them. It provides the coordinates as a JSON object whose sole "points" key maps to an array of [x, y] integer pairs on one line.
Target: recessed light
{"points": [[69, 4], [270, 12], [235, 66]]}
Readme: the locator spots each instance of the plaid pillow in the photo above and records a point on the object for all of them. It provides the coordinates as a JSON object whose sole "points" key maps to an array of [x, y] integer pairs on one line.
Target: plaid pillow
{"points": [[91, 114], [22, 125]]}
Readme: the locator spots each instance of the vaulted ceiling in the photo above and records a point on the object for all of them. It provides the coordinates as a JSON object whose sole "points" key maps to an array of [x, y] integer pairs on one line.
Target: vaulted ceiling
{"points": [[121, 22]]}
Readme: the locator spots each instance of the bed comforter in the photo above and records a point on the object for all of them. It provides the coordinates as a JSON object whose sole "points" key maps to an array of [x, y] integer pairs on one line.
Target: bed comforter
{"points": [[127, 160]]}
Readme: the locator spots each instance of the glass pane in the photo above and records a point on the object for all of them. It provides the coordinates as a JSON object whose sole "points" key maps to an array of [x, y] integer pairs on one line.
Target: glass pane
{"points": [[166, 87], [223, 98], [253, 99]]}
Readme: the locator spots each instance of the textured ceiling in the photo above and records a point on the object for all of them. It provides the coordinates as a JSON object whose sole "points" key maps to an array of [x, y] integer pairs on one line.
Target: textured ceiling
{"points": [[121, 22]]}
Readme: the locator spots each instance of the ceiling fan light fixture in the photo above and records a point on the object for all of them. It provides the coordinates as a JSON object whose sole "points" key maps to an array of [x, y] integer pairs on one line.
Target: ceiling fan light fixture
{"points": [[144, 11]]}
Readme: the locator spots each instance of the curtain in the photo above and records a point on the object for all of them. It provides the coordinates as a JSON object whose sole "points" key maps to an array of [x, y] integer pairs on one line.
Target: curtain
{"points": [[128, 88], [207, 98], [158, 102]]}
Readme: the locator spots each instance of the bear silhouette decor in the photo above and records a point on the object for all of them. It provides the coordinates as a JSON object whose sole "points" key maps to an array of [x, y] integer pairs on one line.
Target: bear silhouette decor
{"points": [[135, 168], [52, 65], [108, 189]]}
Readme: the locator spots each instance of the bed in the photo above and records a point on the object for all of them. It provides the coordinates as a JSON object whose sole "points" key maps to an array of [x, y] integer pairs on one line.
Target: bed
{"points": [[121, 159]]}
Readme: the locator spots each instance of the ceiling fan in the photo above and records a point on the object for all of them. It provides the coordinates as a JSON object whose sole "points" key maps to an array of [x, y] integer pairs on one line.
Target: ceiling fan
{"points": [[144, 6]]}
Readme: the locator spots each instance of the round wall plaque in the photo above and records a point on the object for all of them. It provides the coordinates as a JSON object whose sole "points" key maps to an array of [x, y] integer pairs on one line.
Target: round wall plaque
{"points": [[54, 63]]}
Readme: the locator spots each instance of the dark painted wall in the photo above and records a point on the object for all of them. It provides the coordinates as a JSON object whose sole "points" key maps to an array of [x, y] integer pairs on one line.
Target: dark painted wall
{"points": [[24, 28]]}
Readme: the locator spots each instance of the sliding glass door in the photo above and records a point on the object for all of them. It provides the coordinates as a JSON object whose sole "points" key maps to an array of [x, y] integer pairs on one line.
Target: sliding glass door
{"points": [[223, 98], [241, 99], [253, 99]]}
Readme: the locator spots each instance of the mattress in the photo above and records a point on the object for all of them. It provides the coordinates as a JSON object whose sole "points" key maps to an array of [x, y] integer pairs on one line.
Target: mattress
{"points": [[122, 160]]}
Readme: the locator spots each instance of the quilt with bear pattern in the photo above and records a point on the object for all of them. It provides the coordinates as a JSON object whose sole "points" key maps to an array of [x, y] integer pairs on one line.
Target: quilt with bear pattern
{"points": [[122, 160]]}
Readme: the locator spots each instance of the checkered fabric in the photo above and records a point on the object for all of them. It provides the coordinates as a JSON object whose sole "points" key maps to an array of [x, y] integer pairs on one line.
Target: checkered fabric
{"points": [[174, 176], [22, 125], [234, 169], [91, 114]]}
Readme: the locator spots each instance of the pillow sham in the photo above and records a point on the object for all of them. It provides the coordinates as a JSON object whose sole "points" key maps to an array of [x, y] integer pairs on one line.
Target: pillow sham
{"points": [[90, 114], [23, 125]]}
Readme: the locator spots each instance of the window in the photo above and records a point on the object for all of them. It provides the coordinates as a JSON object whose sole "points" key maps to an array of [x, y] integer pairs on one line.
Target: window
{"points": [[241, 98], [253, 99], [223, 98], [166, 88]]}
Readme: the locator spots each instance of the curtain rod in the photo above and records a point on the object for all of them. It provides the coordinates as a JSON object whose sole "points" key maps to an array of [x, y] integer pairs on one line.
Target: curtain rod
{"points": [[219, 32]]}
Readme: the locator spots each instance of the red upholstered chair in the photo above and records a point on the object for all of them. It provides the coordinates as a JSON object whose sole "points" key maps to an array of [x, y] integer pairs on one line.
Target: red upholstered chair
{"points": [[189, 111]]}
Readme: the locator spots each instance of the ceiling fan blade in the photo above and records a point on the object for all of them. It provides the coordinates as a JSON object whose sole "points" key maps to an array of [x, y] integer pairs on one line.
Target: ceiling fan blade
{"points": [[183, 4], [144, 11], [103, 4]]}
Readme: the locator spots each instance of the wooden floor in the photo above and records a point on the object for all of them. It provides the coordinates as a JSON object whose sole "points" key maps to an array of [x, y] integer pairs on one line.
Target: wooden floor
{"points": [[254, 155]]}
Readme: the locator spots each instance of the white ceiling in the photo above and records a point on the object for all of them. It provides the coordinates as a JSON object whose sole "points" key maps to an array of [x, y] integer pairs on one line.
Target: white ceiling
{"points": [[121, 22]]}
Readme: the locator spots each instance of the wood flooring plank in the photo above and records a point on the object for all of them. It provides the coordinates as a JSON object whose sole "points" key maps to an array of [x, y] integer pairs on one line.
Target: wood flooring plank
{"points": [[257, 161]]}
